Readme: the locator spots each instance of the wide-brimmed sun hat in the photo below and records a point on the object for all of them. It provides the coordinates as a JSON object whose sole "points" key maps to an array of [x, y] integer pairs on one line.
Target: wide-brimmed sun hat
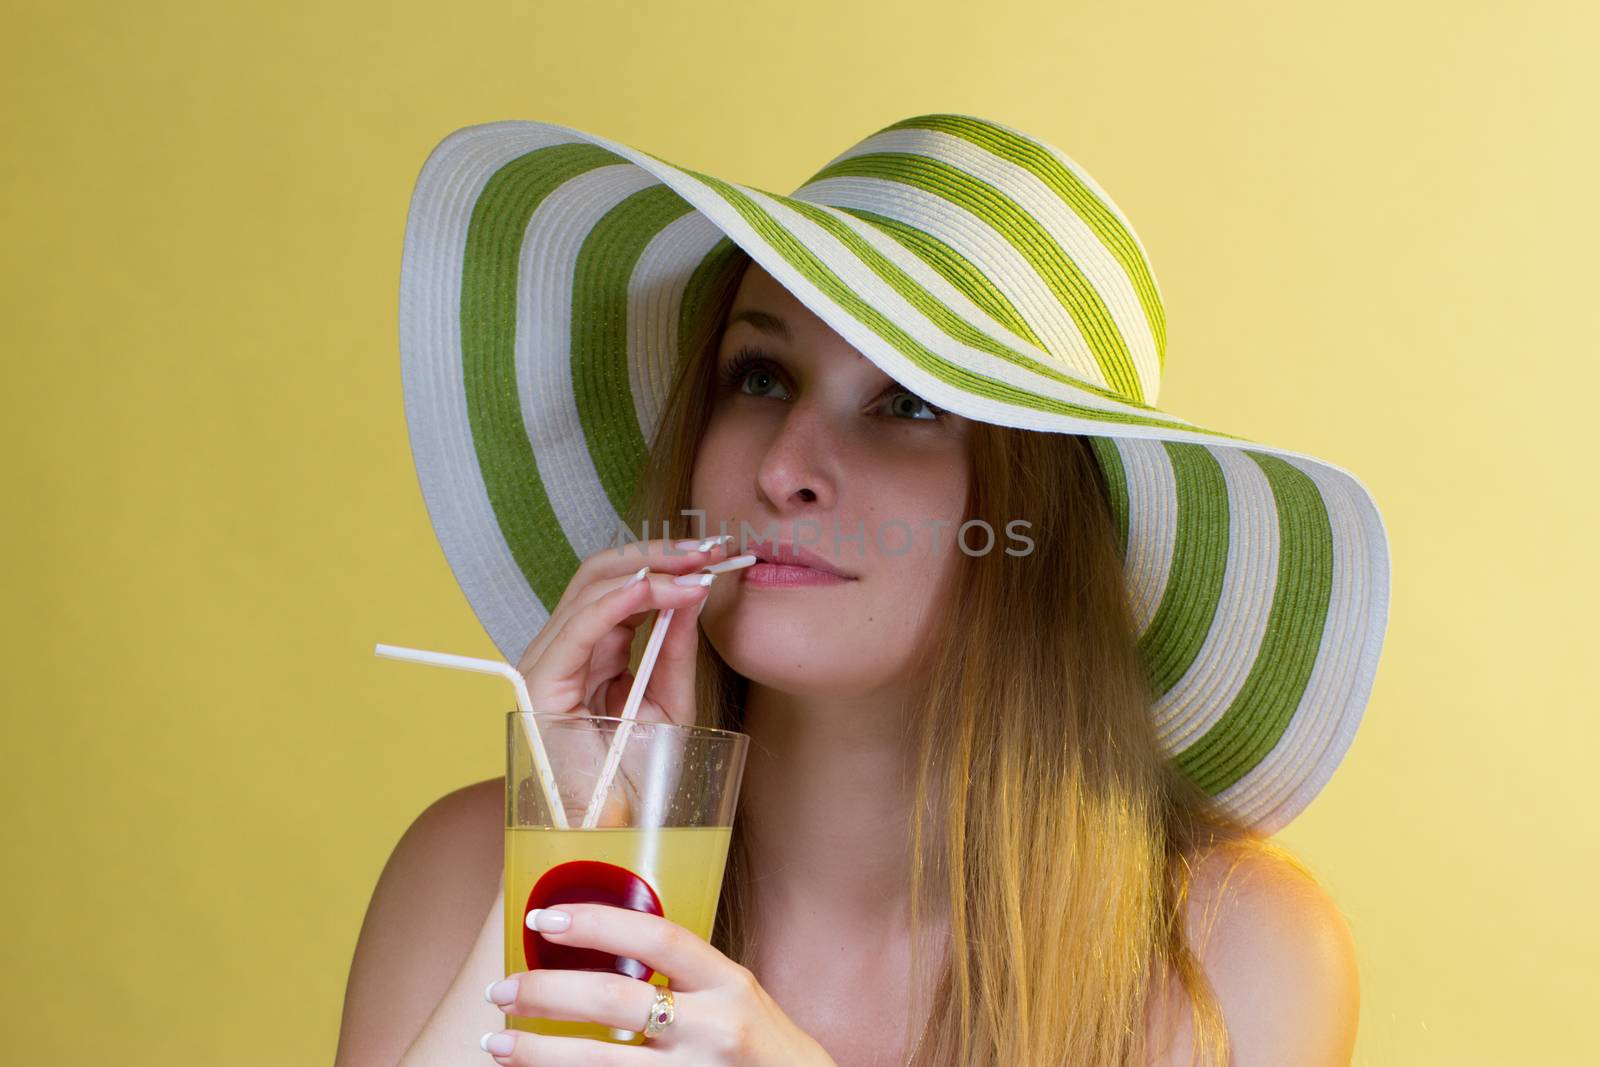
{"points": [[550, 276]]}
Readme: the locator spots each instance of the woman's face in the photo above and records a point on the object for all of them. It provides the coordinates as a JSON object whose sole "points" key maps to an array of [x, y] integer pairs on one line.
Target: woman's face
{"points": [[814, 445]]}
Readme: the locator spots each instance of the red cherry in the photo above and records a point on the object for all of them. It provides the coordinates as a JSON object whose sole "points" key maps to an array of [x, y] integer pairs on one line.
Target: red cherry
{"points": [[586, 881]]}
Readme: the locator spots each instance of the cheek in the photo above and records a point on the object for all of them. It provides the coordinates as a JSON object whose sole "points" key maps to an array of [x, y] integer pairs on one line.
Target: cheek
{"points": [[715, 467], [932, 503]]}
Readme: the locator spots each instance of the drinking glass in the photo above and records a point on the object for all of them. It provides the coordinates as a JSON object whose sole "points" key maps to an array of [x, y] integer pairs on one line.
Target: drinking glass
{"points": [[659, 844]]}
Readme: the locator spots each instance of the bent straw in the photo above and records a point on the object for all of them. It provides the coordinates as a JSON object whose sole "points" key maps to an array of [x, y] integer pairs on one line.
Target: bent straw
{"points": [[630, 709], [541, 761]]}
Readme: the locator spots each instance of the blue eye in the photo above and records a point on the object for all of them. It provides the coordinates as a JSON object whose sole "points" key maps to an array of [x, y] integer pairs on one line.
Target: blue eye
{"points": [[933, 412], [747, 361], [740, 367]]}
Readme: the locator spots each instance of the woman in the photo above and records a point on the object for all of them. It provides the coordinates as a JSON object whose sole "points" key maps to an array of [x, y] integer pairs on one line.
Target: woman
{"points": [[962, 838]]}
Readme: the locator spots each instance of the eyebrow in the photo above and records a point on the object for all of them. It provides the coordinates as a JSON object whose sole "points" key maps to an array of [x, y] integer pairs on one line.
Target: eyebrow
{"points": [[767, 323], [761, 320]]}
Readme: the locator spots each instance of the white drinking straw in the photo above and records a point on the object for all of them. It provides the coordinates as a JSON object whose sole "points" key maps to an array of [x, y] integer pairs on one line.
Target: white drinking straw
{"points": [[630, 709], [541, 762]]}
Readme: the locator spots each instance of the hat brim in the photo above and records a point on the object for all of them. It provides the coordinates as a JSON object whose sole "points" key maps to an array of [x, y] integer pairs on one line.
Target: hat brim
{"points": [[547, 277]]}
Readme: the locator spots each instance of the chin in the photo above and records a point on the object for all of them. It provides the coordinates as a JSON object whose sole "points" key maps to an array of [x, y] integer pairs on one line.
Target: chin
{"points": [[811, 680], [788, 664]]}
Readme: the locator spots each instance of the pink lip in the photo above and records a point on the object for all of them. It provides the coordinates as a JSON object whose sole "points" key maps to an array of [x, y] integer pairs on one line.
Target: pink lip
{"points": [[786, 564], [781, 575]]}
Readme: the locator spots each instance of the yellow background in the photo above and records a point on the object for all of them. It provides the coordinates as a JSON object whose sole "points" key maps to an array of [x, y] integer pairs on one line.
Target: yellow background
{"points": [[1374, 225]]}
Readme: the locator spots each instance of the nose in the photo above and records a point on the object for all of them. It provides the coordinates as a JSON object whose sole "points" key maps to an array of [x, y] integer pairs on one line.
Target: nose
{"points": [[799, 467]]}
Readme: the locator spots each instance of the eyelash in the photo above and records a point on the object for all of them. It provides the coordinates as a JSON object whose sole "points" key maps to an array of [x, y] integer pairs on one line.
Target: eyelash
{"points": [[747, 359]]}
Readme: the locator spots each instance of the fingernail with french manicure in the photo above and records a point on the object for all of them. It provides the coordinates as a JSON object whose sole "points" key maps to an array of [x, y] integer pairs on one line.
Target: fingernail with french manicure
{"points": [[637, 575], [497, 1044], [737, 563], [702, 546], [698, 578], [502, 992], [548, 921]]}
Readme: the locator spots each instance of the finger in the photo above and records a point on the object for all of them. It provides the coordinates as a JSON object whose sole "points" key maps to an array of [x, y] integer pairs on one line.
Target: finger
{"points": [[542, 1050], [610, 659], [609, 999], [672, 682], [617, 694], [557, 677], [616, 702], [672, 685], [661, 944], [673, 555], [600, 571], [675, 562], [661, 553]]}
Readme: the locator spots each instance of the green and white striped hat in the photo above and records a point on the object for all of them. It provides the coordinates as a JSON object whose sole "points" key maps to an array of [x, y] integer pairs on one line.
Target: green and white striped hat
{"points": [[548, 275]]}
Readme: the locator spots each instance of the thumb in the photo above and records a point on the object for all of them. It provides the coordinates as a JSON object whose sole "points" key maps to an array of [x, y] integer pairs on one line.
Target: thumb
{"points": [[617, 693], [675, 664]]}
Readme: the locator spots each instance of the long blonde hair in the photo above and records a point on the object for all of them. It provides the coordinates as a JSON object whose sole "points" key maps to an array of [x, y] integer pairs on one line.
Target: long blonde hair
{"points": [[1063, 840]]}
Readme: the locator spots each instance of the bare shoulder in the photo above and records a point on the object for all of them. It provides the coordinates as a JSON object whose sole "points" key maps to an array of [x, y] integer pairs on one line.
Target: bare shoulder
{"points": [[425, 911], [1280, 958]]}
